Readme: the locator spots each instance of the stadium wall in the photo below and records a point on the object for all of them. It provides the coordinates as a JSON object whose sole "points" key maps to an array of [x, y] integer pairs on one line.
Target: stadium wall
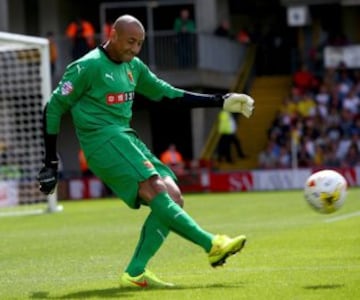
{"points": [[206, 180]]}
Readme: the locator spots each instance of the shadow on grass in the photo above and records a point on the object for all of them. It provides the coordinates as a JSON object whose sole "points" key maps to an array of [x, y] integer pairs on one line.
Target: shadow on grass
{"points": [[125, 292], [324, 287]]}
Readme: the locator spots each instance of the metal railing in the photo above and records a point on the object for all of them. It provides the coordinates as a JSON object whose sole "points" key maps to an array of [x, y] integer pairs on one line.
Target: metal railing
{"points": [[165, 50]]}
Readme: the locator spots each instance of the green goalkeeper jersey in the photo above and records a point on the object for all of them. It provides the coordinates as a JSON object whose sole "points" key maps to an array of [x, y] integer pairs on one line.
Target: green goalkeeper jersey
{"points": [[100, 93]]}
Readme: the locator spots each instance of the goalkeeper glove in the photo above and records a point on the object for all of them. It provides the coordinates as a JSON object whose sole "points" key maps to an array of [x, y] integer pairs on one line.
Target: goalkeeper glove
{"points": [[239, 103], [48, 177]]}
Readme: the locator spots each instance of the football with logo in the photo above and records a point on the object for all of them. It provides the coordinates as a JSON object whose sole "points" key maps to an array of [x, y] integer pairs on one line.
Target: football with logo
{"points": [[325, 191]]}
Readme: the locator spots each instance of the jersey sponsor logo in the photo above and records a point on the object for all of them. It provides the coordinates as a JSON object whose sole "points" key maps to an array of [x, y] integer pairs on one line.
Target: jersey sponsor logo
{"points": [[119, 98], [66, 88]]}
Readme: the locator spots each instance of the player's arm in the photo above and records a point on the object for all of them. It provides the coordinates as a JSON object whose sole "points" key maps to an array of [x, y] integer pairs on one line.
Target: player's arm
{"points": [[232, 102], [156, 89], [69, 90], [48, 174]]}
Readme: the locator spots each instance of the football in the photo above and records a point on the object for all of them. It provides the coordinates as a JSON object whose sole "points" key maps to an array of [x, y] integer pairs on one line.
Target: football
{"points": [[325, 191]]}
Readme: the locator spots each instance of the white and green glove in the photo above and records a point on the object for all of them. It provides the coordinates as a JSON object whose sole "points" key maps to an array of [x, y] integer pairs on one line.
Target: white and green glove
{"points": [[239, 103]]}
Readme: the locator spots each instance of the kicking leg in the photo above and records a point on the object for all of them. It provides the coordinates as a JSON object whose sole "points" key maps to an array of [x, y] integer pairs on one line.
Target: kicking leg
{"points": [[218, 247]]}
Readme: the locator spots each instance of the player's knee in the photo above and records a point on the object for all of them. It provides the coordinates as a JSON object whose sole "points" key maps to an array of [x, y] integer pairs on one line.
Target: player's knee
{"points": [[178, 199], [151, 187], [174, 191]]}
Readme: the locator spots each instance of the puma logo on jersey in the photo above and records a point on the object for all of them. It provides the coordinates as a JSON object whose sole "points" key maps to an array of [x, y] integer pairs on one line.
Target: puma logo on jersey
{"points": [[110, 76], [79, 68]]}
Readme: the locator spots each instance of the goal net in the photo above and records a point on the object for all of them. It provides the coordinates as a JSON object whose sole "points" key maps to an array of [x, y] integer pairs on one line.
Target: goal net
{"points": [[25, 86]]}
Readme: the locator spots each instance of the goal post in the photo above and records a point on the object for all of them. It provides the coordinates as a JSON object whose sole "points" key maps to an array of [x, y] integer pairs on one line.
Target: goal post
{"points": [[25, 87]]}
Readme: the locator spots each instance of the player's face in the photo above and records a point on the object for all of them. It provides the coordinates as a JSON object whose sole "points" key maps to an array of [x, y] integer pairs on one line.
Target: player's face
{"points": [[128, 42]]}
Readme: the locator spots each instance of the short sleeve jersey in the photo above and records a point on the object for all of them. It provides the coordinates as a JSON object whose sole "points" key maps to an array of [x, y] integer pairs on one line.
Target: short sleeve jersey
{"points": [[100, 93]]}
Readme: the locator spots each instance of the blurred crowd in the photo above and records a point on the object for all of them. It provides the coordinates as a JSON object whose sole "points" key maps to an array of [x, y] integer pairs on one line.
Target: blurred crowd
{"points": [[318, 123]]}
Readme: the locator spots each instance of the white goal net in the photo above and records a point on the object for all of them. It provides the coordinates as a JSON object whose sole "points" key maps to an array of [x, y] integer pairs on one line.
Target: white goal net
{"points": [[25, 86]]}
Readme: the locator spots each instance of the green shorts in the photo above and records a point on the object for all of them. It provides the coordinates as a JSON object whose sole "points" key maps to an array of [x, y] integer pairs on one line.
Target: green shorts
{"points": [[124, 161]]}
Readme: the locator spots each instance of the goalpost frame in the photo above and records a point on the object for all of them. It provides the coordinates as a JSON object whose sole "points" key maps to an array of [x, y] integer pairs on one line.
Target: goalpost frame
{"points": [[16, 40]]}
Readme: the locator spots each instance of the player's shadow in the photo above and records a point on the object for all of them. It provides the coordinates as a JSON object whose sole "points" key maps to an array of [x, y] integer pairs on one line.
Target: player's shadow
{"points": [[125, 292], [324, 286]]}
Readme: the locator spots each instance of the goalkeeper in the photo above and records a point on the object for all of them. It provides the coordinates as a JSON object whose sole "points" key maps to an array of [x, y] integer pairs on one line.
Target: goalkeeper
{"points": [[99, 91]]}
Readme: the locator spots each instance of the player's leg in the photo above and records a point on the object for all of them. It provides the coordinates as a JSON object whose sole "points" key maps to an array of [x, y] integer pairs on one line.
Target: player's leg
{"points": [[121, 163], [153, 234], [218, 247], [236, 142], [154, 192]]}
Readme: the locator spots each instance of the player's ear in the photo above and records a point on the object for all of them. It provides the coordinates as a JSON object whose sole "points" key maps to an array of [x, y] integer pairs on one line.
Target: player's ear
{"points": [[113, 34]]}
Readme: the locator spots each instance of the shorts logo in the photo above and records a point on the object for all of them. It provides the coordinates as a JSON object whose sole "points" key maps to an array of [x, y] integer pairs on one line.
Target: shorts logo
{"points": [[148, 164], [66, 88]]}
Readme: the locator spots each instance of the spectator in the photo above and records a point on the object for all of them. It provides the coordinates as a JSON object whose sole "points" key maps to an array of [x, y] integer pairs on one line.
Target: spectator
{"points": [[351, 102], [243, 36], [330, 158], [306, 106], [347, 122], [82, 36], [284, 159], [84, 168], [304, 159], [106, 29], [344, 82], [184, 28], [322, 98], [224, 29], [268, 158], [228, 137], [319, 155], [288, 109], [304, 79], [174, 159], [352, 157]]}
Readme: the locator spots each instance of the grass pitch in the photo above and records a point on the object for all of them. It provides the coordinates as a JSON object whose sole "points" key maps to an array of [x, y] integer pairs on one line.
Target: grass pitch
{"points": [[292, 252]]}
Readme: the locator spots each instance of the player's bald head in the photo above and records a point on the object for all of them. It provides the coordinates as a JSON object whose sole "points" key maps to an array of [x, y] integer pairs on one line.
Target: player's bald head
{"points": [[126, 38], [125, 23]]}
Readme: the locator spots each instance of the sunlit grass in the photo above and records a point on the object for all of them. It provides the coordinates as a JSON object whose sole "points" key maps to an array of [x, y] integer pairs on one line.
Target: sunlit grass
{"points": [[292, 251]]}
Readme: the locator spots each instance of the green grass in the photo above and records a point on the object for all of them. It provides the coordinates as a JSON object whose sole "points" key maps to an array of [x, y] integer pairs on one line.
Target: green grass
{"points": [[292, 251]]}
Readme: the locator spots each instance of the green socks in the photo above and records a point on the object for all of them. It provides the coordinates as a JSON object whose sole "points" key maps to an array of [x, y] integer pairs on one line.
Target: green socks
{"points": [[165, 215], [179, 221], [152, 236]]}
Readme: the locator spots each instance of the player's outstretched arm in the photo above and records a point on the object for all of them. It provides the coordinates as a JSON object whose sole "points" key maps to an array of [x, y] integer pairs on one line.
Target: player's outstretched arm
{"points": [[232, 102]]}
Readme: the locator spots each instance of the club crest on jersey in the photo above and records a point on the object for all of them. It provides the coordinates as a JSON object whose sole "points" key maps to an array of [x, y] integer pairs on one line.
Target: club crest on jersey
{"points": [[119, 98], [148, 164], [130, 76], [66, 88]]}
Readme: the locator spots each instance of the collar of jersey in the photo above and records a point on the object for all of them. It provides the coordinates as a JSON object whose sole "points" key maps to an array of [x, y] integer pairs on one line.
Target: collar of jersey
{"points": [[102, 49]]}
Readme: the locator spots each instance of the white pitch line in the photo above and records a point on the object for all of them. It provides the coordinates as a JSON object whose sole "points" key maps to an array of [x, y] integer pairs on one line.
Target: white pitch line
{"points": [[343, 217]]}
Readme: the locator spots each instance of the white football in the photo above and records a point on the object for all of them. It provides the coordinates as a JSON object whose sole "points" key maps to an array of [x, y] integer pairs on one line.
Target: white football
{"points": [[325, 191]]}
